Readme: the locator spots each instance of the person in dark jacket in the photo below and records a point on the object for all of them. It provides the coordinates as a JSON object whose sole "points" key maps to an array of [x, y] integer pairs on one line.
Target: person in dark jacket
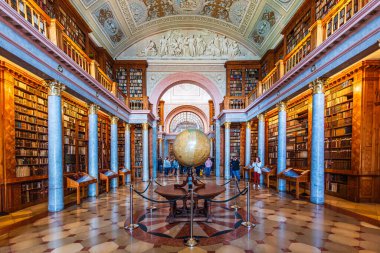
{"points": [[160, 164], [235, 167]]}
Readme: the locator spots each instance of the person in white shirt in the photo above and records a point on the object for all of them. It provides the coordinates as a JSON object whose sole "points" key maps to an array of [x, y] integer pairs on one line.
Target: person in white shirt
{"points": [[256, 165]]}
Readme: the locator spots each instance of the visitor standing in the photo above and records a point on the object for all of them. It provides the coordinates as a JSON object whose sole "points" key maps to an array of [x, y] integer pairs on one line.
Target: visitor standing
{"points": [[208, 165], [175, 166], [159, 161], [167, 166], [256, 165], [235, 166]]}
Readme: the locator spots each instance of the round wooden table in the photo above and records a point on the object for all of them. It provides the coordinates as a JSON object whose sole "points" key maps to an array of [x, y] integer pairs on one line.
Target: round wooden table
{"points": [[182, 213]]}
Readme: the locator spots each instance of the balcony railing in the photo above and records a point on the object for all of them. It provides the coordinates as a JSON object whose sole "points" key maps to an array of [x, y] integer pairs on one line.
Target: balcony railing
{"points": [[299, 52], [104, 79], [139, 103], [32, 13], [76, 53]]}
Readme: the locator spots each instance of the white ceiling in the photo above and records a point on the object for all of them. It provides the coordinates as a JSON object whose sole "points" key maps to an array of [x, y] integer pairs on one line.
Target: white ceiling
{"points": [[254, 25]]}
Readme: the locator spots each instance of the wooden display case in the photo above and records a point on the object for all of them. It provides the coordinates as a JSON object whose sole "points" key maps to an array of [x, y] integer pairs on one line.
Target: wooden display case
{"points": [[106, 176], [80, 181], [295, 175]]}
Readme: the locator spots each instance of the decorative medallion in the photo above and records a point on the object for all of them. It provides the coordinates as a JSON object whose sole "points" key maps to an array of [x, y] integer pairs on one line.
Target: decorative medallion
{"points": [[263, 27], [106, 19], [139, 11], [188, 6], [237, 11]]}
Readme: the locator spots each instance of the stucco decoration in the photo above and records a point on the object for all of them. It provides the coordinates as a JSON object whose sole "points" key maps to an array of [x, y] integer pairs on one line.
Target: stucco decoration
{"points": [[219, 79], [264, 25], [285, 3], [110, 26], [139, 11], [237, 11], [88, 3], [188, 6], [179, 44], [154, 78]]}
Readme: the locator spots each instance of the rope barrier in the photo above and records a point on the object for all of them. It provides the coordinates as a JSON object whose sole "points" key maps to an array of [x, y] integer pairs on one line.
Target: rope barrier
{"points": [[226, 200], [227, 182], [157, 183], [159, 201], [150, 181], [237, 184]]}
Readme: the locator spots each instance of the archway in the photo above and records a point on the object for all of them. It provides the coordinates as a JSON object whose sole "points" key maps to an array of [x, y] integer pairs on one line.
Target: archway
{"points": [[186, 77], [186, 108]]}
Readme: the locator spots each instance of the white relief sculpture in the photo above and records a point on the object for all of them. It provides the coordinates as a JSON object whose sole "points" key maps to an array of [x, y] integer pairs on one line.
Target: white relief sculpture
{"points": [[185, 44]]}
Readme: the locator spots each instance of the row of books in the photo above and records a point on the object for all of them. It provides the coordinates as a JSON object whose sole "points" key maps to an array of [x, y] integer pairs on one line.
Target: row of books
{"points": [[338, 154], [344, 142]]}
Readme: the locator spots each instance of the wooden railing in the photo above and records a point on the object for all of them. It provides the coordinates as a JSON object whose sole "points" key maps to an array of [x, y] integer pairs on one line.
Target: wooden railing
{"points": [[339, 15], [120, 95], [299, 52], [32, 13], [104, 79], [139, 103], [75, 53], [254, 94]]}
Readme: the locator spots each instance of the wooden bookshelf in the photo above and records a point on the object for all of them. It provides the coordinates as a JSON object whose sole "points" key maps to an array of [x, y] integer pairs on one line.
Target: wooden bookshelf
{"points": [[300, 30], [322, 7], [235, 133], [121, 143], [254, 139], [297, 132], [136, 150], [242, 79], [30, 105], [74, 131], [104, 141], [131, 79], [272, 141]]}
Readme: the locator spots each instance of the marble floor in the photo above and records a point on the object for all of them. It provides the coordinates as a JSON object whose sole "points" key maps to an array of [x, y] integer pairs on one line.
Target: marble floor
{"points": [[282, 225]]}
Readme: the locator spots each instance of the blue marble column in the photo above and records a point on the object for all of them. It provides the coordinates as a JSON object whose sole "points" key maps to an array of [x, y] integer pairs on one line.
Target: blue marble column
{"points": [[55, 201], [166, 148], [114, 153], [317, 179], [261, 142], [154, 149], [160, 152], [145, 176], [217, 148], [247, 146], [127, 150], [227, 158], [281, 149], [93, 147]]}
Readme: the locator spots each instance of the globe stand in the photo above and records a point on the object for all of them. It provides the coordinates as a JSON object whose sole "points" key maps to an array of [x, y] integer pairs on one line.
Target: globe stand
{"points": [[190, 181]]}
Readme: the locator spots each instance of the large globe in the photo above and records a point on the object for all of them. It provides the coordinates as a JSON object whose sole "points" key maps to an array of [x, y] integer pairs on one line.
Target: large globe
{"points": [[191, 147]]}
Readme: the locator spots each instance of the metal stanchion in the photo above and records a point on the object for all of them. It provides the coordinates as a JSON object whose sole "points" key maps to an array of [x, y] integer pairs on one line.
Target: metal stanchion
{"points": [[247, 223], [151, 208], [235, 205], [131, 225], [191, 242]]}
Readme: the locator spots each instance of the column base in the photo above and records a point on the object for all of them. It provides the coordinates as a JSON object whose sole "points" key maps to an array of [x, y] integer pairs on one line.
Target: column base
{"points": [[317, 200], [281, 185], [92, 190]]}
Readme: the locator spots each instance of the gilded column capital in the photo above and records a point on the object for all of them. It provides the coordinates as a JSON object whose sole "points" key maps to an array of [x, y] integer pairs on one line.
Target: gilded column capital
{"points": [[227, 125], [114, 120], [281, 106], [93, 108], [145, 126], [127, 127], [248, 125], [261, 117], [317, 86], [55, 87]]}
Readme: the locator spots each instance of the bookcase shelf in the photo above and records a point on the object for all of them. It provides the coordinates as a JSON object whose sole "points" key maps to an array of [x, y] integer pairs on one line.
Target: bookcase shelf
{"points": [[71, 28], [104, 147], [131, 79], [137, 150], [74, 136], [235, 136], [121, 143], [242, 78], [300, 30], [338, 126], [297, 134], [272, 140], [254, 139], [30, 130]]}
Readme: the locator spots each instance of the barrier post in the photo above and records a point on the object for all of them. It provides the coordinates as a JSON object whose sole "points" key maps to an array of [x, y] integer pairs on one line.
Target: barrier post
{"points": [[235, 205], [131, 225], [191, 242], [151, 208], [247, 223]]}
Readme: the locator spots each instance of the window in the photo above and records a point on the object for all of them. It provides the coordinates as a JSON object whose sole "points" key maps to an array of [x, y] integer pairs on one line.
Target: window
{"points": [[186, 120]]}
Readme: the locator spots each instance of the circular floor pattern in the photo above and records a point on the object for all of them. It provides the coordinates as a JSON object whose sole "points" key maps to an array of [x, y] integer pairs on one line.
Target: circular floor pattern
{"points": [[226, 226]]}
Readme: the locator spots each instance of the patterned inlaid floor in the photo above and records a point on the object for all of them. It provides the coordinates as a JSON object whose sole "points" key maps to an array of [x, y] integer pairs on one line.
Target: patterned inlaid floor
{"points": [[283, 225]]}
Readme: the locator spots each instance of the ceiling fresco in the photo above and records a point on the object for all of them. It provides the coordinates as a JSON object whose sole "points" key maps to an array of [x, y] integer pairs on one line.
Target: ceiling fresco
{"points": [[254, 25]]}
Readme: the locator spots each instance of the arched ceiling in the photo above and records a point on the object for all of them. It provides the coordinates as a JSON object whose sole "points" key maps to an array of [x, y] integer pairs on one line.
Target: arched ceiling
{"points": [[253, 25]]}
